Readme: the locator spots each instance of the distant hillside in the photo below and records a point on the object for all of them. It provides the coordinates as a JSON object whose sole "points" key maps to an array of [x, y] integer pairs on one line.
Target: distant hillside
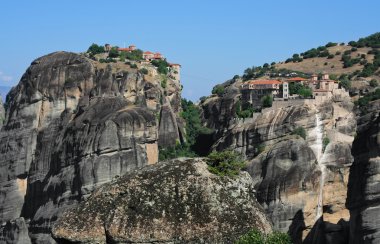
{"points": [[358, 59]]}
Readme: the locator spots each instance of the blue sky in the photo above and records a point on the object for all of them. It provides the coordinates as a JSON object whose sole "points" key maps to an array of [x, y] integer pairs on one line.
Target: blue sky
{"points": [[213, 40]]}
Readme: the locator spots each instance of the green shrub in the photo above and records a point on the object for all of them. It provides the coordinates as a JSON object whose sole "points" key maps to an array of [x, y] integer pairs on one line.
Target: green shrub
{"points": [[324, 54], [256, 237], [133, 66], [134, 55], [267, 101], [354, 49], [305, 92], [243, 113], [164, 83], [278, 238], [331, 44], [300, 131], [144, 71], [347, 52], [180, 150], [373, 83], [338, 53], [226, 163], [162, 66], [202, 99], [192, 116], [95, 49], [325, 142], [331, 56], [218, 89], [122, 56], [252, 237], [114, 53]]}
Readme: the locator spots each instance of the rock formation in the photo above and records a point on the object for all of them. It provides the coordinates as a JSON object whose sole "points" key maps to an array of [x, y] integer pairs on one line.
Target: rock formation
{"points": [[363, 199], [73, 124], [178, 201], [285, 167]]}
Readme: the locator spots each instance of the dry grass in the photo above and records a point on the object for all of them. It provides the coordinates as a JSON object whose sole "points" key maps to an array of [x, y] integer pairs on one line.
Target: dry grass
{"points": [[334, 65]]}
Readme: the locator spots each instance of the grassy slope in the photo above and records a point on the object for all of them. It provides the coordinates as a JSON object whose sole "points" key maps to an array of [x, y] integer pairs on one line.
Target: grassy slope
{"points": [[334, 66]]}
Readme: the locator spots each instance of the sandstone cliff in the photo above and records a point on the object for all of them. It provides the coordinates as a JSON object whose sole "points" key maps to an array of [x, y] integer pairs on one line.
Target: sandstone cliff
{"points": [[178, 201], [286, 168], [364, 182], [73, 124]]}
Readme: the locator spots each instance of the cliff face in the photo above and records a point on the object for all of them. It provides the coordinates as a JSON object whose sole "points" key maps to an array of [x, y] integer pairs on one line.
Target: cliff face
{"points": [[363, 199], [73, 124], [287, 169], [178, 201]]}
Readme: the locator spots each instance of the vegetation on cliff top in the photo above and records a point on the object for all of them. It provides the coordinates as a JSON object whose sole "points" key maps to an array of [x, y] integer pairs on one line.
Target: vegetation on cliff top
{"points": [[332, 58], [226, 163], [191, 114], [256, 237], [300, 131]]}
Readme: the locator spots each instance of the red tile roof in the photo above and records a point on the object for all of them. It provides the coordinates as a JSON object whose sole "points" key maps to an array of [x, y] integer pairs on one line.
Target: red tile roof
{"points": [[124, 49], [147, 52], [264, 82], [297, 79]]}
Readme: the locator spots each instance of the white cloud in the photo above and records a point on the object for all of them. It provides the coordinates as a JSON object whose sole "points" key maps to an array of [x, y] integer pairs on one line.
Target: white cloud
{"points": [[5, 77]]}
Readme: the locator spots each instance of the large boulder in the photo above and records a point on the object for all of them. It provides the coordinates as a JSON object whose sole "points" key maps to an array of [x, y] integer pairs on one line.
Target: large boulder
{"points": [[178, 201]]}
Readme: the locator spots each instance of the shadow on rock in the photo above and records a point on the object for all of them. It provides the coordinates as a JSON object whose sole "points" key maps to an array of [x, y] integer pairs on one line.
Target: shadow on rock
{"points": [[328, 233]]}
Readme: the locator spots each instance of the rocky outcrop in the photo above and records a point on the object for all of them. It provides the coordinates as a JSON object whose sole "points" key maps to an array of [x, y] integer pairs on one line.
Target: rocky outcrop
{"points": [[178, 201], [285, 167], [73, 124], [363, 198], [286, 175]]}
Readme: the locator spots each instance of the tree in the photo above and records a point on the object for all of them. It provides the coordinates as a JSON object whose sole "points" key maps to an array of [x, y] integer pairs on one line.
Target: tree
{"points": [[226, 163], [218, 89], [114, 53], [305, 92], [267, 101], [162, 66], [135, 55], [299, 131], [331, 56], [331, 44], [192, 116], [95, 49]]}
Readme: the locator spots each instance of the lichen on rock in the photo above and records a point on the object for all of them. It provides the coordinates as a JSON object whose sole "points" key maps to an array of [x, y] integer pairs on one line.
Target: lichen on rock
{"points": [[177, 201]]}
